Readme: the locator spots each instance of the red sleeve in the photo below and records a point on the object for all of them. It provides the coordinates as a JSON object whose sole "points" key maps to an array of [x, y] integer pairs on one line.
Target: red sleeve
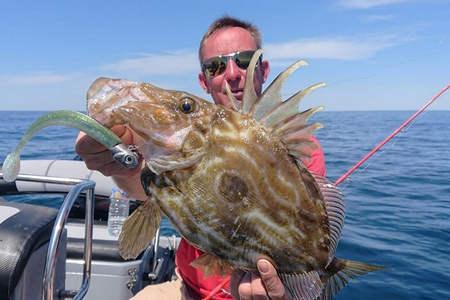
{"points": [[193, 277], [317, 163]]}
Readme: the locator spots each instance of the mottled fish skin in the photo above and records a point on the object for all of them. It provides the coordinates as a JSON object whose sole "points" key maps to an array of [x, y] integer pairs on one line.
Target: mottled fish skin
{"points": [[165, 136], [233, 181], [247, 198]]}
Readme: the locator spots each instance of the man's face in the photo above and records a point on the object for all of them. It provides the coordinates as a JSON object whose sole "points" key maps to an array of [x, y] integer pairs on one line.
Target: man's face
{"points": [[223, 42]]}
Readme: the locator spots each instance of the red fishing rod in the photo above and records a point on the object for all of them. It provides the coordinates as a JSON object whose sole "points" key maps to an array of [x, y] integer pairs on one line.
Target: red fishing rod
{"points": [[352, 169]]}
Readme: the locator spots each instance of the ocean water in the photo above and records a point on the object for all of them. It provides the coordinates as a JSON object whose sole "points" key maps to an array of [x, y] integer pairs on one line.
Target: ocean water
{"points": [[398, 203]]}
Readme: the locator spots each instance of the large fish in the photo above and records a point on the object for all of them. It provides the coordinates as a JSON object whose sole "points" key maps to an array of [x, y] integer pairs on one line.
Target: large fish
{"points": [[233, 181]]}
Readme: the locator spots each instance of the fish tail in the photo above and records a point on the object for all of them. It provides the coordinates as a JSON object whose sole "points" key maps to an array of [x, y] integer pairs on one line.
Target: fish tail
{"points": [[338, 273]]}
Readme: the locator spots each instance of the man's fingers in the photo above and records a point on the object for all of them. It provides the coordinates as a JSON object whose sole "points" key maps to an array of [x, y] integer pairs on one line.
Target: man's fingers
{"points": [[98, 157], [274, 287], [245, 287], [258, 289], [87, 145], [119, 130], [234, 282], [124, 133], [240, 285]]}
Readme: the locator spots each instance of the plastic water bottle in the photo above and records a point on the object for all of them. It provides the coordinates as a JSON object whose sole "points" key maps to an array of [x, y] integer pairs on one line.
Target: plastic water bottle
{"points": [[119, 208]]}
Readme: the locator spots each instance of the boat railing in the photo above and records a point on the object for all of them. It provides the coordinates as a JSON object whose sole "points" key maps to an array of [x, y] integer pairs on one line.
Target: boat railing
{"points": [[79, 186]]}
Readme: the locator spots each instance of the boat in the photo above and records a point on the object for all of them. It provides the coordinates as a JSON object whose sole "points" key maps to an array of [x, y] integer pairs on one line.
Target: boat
{"points": [[48, 254]]}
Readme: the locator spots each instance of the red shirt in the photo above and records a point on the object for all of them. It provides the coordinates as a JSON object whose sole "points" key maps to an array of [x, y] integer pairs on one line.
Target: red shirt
{"points": [[186, 253]]}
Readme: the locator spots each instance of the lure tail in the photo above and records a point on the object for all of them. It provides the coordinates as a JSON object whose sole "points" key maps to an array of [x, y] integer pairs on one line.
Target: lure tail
{"points": [[11, 165]]}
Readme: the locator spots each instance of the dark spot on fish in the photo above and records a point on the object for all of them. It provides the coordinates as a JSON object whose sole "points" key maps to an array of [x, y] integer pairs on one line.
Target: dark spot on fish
{"points": [[148, 177], [232, 187]]}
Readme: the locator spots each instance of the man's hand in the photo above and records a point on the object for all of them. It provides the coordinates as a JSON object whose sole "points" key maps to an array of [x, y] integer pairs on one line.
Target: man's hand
{"points": [[97, 157], [250, 286]]}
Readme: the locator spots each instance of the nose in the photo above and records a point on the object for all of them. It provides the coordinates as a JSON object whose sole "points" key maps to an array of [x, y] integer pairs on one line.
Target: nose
{"points": [[233, 72]]}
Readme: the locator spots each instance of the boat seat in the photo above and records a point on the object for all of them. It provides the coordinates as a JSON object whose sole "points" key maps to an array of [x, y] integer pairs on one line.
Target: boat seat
{"points": [[24, 229]]}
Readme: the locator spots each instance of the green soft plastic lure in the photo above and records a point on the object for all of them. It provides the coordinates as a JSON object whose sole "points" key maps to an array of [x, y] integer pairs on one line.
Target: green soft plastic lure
{"points": [[121, 153]]}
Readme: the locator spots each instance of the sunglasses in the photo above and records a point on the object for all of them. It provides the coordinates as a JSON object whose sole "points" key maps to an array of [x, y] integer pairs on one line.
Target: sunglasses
{"points": [[218, 64]]}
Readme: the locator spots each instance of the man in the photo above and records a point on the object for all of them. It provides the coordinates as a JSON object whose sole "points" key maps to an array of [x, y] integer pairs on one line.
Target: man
{"points": [[222, 52]]}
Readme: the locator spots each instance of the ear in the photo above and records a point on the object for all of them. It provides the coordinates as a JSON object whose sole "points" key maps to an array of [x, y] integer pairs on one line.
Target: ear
{"points": [[265, 68], [203, 82]]}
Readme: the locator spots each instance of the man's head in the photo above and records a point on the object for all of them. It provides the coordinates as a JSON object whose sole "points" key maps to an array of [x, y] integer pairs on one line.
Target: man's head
{"points": [[224, 37]]}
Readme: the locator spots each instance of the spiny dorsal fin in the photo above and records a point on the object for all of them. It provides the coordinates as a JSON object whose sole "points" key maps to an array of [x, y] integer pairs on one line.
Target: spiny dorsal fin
{"points": [[139, 229], [339, 272], [302, 150], [211, 265], [295, 122], [299, 142], [283, 118], [335, 207], [288, 108], [249, 97], [307, 286], [271, 97]]}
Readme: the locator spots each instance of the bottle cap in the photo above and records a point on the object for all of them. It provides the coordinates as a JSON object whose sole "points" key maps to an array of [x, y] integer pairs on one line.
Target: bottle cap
{"points": [[118, 194]]}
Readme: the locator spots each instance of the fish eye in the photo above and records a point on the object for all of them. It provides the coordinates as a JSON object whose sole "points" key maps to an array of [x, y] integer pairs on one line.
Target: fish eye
{"points": [[187, 105]]}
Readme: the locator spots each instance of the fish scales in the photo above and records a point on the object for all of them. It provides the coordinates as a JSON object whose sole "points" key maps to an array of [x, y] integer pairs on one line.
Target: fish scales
{"points": [[223, 137], [232, 150], [233, 181]]}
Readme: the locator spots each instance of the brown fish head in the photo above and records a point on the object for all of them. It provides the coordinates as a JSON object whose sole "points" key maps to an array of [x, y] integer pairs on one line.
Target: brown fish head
{"points": [[170, 126]]}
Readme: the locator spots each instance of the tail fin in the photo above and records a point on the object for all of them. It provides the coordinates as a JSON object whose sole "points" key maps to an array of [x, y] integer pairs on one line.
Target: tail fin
{"points": [[340, 271]]}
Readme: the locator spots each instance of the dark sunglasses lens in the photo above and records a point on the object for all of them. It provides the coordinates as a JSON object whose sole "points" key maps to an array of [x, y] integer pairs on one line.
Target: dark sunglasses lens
{"points": [[243, 59], [217, 65], [214, 67]]}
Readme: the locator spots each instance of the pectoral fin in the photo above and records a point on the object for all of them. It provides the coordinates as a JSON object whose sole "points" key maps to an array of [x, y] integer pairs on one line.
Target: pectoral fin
{"points": [[139, 230], [212, 265]]}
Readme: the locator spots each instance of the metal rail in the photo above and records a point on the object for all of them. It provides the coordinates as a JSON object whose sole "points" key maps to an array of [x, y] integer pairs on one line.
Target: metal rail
{"points": [[79, 186], [154, 274]]}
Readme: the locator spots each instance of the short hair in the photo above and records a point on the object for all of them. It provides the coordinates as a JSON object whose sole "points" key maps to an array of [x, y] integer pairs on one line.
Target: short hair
{"points": [[227, 21]]}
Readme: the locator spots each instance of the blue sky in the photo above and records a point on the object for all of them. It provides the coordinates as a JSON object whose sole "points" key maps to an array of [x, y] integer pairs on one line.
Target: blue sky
{"points": [[373, 54]]}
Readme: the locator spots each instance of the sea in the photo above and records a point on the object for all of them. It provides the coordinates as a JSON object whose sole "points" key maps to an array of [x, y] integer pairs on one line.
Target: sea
{"points": [[398, 202]]}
